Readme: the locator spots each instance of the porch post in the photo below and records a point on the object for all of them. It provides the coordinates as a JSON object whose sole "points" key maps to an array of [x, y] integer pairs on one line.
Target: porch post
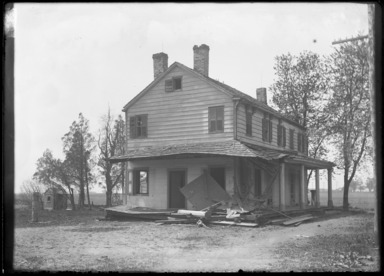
{"points": [[282, 186], [124, 190], [317, 189], [303, 196], [330, 201], [236, 177]]}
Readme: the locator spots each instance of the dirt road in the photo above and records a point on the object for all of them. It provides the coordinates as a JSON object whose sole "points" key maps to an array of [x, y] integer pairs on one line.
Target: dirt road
{"points": [[146, 246]]}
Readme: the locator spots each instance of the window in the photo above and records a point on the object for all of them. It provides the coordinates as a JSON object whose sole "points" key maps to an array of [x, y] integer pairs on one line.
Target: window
{"points": [[216, 119], [281, 140], [138, 126], [305, 150], [248, 123], [300, 142], [173, 84], [291, 134], [140, 181], [267, 128], [48, 198]]}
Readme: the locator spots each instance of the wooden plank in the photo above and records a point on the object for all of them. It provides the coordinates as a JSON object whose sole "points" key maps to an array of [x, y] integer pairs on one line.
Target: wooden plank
{"points": [[199, 214], [298, 219], [177, 221], [231, 223]]}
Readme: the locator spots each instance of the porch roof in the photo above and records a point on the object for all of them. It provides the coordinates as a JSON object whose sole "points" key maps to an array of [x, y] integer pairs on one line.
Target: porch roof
{"points": [[226, 148]]}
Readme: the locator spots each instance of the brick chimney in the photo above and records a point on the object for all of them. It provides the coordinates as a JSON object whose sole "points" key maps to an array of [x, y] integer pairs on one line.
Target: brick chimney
{"points": [[160, 63], [261, 94], [201, 59]]}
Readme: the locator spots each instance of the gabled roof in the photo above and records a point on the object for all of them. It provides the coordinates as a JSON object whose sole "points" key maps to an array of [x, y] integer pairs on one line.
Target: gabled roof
{"points": [[220, 86]]}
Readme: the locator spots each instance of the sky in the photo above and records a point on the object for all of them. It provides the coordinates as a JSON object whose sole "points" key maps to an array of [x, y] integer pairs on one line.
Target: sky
{"points": [[72, 58]]}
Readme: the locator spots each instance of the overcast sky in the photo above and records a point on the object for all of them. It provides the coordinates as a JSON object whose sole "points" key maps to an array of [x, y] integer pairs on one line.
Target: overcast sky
{"points": [[72, 58]]}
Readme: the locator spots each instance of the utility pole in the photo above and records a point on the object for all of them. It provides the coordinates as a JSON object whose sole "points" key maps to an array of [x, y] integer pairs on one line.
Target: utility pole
{"points": [[371, 63]]}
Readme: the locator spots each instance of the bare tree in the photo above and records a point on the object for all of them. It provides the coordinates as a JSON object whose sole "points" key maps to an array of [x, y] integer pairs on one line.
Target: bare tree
{"points": [[111, 143]]}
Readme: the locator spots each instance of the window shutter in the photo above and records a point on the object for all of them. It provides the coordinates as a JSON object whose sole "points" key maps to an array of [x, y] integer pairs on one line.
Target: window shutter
{"points": [[130, 182], [169, 85], [284, 137], [306, 144], [299, 142], [270, 131], [279, 135], [144, 121], [264, 129], [132, 127], [291, 135], [220, 118], [211, 119]]}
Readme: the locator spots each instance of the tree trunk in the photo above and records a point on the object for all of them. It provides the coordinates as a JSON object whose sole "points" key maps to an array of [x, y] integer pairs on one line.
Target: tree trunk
{"points": [[87, 184], [346, 190], [108, 197], [72, 199]]}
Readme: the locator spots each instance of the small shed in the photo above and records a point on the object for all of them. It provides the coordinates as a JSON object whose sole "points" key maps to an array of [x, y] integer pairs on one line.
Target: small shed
{"points": [[55, 198]]}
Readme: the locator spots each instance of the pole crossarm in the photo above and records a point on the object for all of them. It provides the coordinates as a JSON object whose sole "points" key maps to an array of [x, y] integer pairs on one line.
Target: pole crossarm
{"points": [[350, 39]]}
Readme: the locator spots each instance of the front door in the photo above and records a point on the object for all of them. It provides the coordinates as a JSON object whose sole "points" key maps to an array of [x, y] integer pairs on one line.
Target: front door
{"points": [[176, 181]]}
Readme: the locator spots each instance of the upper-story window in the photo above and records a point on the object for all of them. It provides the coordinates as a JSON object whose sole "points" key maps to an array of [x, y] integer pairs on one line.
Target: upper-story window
{"points": [[267, 128], [291, 135], [302, 142], [138, 126], [281, 136], [299, 142], [216, 119], [174, 84], [248, 121]]}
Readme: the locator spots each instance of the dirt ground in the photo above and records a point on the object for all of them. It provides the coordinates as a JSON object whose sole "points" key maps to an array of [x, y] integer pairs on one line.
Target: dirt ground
{"points": [[68, 243]]}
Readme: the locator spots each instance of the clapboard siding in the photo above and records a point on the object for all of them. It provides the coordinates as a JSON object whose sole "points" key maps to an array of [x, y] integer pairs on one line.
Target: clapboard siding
{"points": [[256, 137], [180, 116]]}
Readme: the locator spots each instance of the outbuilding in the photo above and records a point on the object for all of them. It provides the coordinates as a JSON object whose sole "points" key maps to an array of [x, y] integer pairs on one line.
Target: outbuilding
{"points": [[55, 198]]}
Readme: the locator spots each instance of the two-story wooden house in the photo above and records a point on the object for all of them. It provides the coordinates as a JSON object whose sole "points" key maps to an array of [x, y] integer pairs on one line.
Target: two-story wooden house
{"points": [[185, 123]]}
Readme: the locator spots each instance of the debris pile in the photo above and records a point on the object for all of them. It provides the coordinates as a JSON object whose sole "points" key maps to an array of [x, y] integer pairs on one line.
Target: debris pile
{"points": [[217, 214], [350, 259]]}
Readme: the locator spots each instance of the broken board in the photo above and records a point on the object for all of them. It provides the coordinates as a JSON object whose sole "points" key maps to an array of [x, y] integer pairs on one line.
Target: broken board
{"points": [[204, 191], [296, 220], [229, 223]]}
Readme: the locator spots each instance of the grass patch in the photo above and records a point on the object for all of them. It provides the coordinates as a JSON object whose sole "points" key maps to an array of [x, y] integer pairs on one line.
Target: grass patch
{"points": [[349, 251], [56, 217]]}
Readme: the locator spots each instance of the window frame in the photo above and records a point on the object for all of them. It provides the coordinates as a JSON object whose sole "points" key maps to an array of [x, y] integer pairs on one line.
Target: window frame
{"points": [[210, 114], [133, 127], [136, 185], [299, 142], [171, 87]]}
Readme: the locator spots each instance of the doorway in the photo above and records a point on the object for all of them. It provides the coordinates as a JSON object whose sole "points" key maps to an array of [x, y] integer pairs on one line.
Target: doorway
{"points": [[218, 173], [258, 191], [176, 180]]}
